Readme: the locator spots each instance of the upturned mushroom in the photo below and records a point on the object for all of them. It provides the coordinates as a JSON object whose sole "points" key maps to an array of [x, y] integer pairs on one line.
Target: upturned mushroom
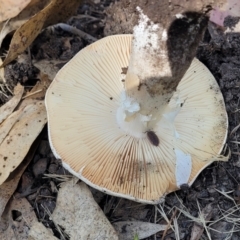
{"points": [[122, 122]]}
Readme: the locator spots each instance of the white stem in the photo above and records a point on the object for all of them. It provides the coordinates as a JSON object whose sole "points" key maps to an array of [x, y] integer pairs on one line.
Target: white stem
{"points": [[149, 69]]}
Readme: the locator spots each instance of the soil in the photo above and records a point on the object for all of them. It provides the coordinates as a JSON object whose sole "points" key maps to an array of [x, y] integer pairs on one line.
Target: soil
{"points": [[217, 187]]}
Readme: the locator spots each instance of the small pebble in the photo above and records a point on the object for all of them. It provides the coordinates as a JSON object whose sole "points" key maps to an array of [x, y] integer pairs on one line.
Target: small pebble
{"points": [[40, 167]]}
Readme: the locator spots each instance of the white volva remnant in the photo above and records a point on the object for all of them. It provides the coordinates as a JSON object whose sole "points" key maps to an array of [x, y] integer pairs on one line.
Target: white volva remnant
{"points": [[183, 167], [179, 16], [129, 119]]}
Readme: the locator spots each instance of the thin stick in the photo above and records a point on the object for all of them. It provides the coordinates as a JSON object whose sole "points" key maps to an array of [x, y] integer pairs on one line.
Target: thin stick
{"points": [[169, 223], [76, 31], [30, 94]]}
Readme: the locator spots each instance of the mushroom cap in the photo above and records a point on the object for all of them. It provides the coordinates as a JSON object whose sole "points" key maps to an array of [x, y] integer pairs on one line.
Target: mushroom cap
{"points": [[82, 104]]}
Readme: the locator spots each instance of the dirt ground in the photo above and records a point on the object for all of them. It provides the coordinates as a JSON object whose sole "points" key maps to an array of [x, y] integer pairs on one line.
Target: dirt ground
{"points": [[216, 190]]}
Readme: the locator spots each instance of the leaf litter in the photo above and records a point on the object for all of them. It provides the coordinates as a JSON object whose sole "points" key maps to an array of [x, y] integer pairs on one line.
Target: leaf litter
{"points": [[54, 12]]}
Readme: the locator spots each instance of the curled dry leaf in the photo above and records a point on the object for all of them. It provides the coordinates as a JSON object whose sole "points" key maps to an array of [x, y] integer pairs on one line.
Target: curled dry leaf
{"points": [[128, 229], [55, 11], [20, 138], [11, 8], [17, 224], [8, 107], [12, 24], [78, 213]]}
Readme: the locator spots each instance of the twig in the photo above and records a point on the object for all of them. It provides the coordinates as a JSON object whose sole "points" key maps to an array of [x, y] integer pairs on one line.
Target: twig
{"points": [[76, 31], [33, 93], [169, 223]]}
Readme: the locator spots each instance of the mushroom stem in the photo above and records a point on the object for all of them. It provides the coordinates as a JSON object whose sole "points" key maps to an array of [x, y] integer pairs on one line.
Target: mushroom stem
{"points": [[149, 77], [161, 54]]}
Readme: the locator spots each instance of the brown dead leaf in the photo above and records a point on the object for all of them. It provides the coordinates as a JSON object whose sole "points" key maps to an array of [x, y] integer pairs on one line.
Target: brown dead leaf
{"points": [[12, 24], [78, 213], [11, 8], [54, 12], [39, 232], [8, 188], [18, 219], [20, 138], [8, 107]]}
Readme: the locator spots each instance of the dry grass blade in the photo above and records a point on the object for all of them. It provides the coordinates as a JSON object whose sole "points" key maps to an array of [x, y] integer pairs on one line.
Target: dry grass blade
{"points": [[225, 194], [169, 223], [177, 233], [64, 236], [163, 214], [235, 129], [205, 215], [60, 178]]}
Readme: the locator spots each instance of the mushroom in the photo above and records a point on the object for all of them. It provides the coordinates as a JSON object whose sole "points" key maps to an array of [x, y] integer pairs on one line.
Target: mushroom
{"points": [[125, 134]]}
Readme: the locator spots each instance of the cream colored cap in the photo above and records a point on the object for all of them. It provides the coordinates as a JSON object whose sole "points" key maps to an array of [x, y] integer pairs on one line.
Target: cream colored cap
{"points": [[82, 104]]}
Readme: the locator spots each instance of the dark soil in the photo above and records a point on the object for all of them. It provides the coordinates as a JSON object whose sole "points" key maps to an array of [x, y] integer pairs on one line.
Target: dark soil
{"points": [[221, 54]]}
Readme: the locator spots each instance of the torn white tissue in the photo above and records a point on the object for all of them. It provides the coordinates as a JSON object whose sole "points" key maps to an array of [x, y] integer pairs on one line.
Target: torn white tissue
{"points": [[183, 167]]}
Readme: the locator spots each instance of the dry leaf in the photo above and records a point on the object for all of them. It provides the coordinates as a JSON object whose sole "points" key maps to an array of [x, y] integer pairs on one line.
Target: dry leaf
{"points": [[17, 219], [8, 188], [2, 72], [8, 107], [78, 213], [6, 126], [128, 229], [57, 10], [10, 25], [39, 232], [11, 8], [20, 138]]}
